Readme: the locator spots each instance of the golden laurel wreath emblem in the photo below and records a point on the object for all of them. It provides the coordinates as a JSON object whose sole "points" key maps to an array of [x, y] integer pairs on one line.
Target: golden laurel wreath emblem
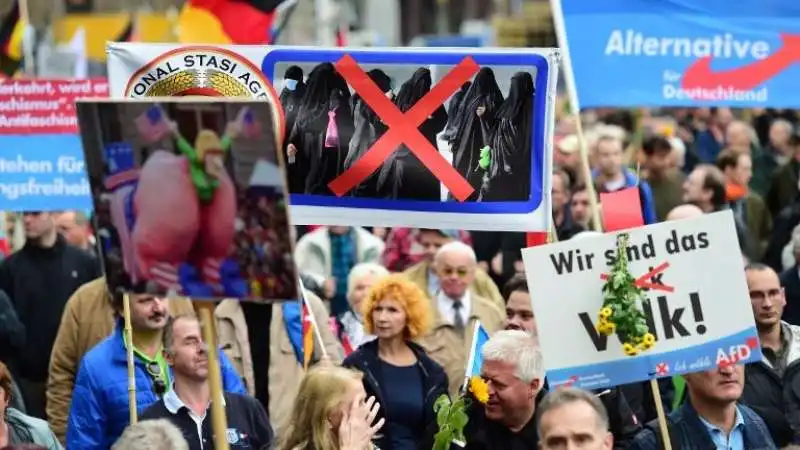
{"points": [[219, 81]]}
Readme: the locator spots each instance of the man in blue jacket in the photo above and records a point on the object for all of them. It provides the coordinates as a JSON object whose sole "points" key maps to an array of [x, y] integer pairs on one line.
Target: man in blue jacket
{"points": [[100, 409]]}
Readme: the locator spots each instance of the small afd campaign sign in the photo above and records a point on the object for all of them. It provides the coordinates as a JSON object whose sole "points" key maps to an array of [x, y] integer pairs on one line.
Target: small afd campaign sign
{"points": [[41, 154], [697, 306], [682, 53], [405, 137]]}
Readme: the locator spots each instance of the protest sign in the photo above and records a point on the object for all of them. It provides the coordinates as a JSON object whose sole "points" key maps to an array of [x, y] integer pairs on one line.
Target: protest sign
{"points": [[41, 157], [442, 138], [629, 53], [698, 309], [192, 202]]}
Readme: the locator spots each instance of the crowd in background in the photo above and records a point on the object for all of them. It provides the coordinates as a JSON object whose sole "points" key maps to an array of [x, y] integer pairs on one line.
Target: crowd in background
{"points": [[401, 304]]}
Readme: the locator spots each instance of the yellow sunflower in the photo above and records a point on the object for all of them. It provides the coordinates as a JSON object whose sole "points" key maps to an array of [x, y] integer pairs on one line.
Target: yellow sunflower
{"points": [[606, 312], [479, 388], [629, 349]]}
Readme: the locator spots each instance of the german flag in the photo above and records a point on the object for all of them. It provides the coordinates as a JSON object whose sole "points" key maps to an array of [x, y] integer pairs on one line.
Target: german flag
{"points": [[12, 30], [227, 21], [128, 34]]}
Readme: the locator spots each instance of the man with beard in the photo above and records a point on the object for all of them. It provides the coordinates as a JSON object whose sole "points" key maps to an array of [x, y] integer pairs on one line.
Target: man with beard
{"points": [[519, 312], [99, 411], [187, 404]]}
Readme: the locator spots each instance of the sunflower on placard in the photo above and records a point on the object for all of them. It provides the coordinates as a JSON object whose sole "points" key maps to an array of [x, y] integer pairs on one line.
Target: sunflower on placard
{"points": [[621, 312], [452, 417]]}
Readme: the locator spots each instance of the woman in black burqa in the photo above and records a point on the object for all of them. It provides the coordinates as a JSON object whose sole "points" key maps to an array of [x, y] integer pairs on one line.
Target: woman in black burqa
{"points": [[403, 176], [368, 129], [452, 110], [322, 130], [473, 125], [508, 177], [291, 96]]}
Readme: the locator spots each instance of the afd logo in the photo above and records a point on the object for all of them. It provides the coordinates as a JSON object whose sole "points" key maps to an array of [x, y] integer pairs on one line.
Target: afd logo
{"points": [[763, 62]]}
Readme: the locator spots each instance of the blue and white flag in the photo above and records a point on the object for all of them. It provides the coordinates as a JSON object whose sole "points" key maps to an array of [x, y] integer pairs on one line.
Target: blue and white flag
{"points": [[479, 338]]}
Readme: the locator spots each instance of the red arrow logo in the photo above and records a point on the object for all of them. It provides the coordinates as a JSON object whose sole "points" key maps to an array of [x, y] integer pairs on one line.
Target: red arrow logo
{"points": [[745, 78]]}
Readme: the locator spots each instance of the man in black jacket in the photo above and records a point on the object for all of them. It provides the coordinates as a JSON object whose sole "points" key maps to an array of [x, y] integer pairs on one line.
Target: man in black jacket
{"points": [[39, 279], [623, 421], [187, 404], [772, 385]]}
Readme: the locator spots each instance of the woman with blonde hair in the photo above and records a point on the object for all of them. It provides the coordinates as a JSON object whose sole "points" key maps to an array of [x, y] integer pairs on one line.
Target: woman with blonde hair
{"points": [[331, 412], [396, 370], [359, 281]]}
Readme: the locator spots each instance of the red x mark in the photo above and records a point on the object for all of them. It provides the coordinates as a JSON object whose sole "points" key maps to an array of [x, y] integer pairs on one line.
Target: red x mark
{"points": [[404, 128], [644, 280], [662, 369]]}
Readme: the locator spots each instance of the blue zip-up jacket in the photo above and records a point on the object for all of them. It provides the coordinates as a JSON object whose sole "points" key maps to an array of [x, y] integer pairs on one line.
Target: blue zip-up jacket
{"points": [[645, 192], [99, 410]]}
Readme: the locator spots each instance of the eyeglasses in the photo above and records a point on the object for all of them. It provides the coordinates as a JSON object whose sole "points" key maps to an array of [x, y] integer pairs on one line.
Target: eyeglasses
{"points": [[461, 271], [159, 385]]}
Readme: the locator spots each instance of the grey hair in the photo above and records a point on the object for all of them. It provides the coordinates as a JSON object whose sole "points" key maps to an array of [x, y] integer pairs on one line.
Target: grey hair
{"points": [[159, 434], [457, 247], [783, 123], [518, 348], [566, 395], [168, 334], [359, 271]]}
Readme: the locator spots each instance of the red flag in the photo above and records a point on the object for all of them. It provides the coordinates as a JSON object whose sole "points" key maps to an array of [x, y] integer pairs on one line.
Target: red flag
{"points": [[308, 336]]}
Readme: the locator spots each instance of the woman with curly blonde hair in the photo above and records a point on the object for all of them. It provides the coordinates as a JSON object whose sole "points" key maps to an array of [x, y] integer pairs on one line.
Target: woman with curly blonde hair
{"points": [[396, 370], [331, 412]]}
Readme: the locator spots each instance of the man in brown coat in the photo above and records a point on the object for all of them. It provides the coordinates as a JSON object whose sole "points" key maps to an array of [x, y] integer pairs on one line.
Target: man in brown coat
{"points": [[88, 319], [425, 277], [456, 310]]}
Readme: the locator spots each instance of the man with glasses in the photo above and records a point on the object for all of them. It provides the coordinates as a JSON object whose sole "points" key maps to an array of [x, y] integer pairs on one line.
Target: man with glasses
{"points": [[456, 310], [99, 410], [187, 404], [39, 279], [770, 386]]}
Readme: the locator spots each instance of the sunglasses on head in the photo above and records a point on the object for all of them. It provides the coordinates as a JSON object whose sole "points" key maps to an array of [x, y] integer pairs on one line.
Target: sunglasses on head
{"points": [[159, 385]]}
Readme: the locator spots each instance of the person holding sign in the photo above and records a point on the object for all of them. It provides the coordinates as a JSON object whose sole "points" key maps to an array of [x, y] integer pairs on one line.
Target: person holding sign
{"points": [[99, 411], [712, 418]]}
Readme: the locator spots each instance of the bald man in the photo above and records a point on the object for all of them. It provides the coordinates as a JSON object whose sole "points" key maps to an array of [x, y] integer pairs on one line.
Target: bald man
{"points": [[685, 211]]}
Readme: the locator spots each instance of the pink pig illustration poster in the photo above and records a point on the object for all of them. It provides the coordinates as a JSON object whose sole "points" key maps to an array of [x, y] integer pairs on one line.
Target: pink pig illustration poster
{"points": [[190, 198]]}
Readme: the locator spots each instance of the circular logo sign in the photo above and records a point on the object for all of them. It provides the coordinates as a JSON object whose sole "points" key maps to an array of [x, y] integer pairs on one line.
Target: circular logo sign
{"points": [[204, 71]]}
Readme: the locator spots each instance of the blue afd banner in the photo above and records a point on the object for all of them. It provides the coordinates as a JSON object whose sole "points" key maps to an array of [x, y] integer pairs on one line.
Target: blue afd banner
{"points": [[683, 52]]}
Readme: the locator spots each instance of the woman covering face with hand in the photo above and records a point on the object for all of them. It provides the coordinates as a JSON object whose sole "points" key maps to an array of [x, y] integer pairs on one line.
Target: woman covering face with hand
{"points": [[397, 372], [331, 412]]}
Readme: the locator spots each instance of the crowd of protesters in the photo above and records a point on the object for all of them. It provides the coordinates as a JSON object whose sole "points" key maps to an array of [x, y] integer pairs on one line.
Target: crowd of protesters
{"points": [[400, 303]]}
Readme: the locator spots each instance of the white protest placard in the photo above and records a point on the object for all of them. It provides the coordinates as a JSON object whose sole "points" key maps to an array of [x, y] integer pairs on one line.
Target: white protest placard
{"points": [[698, 308]]}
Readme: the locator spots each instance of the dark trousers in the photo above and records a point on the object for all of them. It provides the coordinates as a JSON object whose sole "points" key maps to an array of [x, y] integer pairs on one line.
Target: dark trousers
{"points": [[34, 394]]}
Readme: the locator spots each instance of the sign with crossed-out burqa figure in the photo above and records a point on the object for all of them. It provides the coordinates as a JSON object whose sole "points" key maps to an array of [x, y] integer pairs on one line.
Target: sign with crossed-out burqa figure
{"points": [[433, 138]]}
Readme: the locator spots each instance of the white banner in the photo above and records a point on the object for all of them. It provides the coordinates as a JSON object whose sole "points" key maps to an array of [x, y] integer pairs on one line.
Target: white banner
{"points": [[699, 308], [416, 179]]}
